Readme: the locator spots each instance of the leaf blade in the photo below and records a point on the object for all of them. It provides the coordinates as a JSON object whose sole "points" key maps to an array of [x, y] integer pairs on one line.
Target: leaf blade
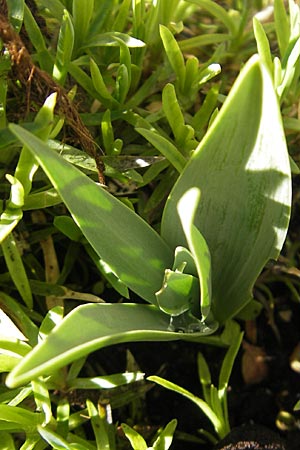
{"points": [[243, 173], [103, 219]]}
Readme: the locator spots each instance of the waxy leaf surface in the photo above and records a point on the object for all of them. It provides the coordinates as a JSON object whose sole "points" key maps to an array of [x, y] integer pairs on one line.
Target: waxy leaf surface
{"points": [[242, 170]]}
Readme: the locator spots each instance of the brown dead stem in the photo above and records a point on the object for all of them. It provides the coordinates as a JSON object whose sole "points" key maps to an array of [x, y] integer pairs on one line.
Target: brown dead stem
{"points": [[38, 85]]}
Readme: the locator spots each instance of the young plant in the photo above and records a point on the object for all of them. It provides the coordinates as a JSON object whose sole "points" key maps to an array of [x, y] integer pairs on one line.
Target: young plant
{"points": [[53, 422], [225, 217], [162, 442], [214, 405]]}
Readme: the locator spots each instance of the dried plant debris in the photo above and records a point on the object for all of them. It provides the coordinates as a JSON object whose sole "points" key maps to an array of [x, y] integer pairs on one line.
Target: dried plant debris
{"points": [[38, 85]]}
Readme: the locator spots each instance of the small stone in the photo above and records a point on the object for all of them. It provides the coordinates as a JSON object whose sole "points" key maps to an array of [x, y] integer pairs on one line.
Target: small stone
{"points": [[252, 437]]}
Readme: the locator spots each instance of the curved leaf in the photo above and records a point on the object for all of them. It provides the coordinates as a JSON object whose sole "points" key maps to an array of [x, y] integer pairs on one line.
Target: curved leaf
{"points": [[187, 207], [93, 326], [133, 250], [242, 170]]}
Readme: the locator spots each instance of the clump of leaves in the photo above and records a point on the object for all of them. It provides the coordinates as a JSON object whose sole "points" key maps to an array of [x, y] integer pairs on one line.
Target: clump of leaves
{"points": [[223, 179]]}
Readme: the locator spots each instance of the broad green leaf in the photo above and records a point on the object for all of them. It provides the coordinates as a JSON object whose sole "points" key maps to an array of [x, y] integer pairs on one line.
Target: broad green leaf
{"points": [[243, 172], [118, 235], [98, 325], [177, 293]]}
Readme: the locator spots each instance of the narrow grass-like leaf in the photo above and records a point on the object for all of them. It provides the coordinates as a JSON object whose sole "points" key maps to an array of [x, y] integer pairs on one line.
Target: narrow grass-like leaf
{"points": [[25, 419], [101, 325], [56, 8], [7, 441], [174, 54], [219, 12], [64, 49], [42, 398], [187, 45], [289, 68], [201, 118], [173, 112], [122, 84], [15, 346], [82, 13], [204, 376], [98, 82], [19, 316], [109, 39], [54, 439], [107, 133], [85, 81], [102, 219], [229, 359], [226, 371], [136, 440], [282, 26], [263, 45], [191, 76], [243, 173], [165, 147], [99, 425], [62, 417], [37, 40], [16, 13], [40, 200], [218, 425], [16, 269], [165, 438], [105, 382], [122, 16]]}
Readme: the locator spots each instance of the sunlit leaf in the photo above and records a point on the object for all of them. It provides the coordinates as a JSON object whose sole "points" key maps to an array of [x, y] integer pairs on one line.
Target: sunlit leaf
{"points": [[118, 235], [100, 325], [243, 172]]}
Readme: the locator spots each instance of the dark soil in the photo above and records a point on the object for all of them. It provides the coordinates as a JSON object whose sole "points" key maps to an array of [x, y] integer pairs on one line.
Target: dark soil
{"points": [[258, 403]]}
